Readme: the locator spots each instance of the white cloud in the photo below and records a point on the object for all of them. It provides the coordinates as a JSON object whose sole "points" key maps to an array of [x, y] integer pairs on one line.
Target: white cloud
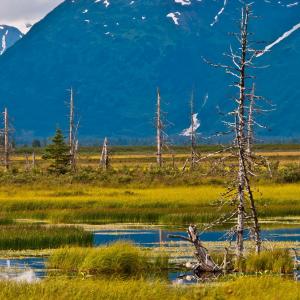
{"points": [[19, 12]]}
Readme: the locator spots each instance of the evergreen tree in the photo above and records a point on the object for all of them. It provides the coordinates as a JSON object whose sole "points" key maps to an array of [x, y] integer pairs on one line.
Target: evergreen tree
{"points": [[58, 153]]}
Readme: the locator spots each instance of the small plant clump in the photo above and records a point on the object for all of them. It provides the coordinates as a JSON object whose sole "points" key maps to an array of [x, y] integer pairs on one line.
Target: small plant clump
{"points": [[118, 259]]}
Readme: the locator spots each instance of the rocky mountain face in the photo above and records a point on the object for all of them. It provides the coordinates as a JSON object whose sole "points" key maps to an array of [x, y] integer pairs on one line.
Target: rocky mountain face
{"points": [[115, 53]]}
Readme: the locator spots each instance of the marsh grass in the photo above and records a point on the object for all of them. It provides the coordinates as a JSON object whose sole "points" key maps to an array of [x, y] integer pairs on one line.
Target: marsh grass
{"points": [[84, 203], [121, 259], [246, 288], [275, 261], [22, 236]]}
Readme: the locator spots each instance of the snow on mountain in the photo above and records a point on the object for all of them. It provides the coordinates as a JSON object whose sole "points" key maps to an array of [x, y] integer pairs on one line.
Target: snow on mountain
{"points": [[118, 52], [174, 16], [8, 37]]}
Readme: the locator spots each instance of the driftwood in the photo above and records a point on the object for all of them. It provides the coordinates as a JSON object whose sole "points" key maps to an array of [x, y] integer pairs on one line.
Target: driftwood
{"points": [[205, 261]]}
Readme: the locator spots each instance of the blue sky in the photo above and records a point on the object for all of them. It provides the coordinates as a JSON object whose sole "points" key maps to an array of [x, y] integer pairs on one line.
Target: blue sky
{"points": [[19, 12]]}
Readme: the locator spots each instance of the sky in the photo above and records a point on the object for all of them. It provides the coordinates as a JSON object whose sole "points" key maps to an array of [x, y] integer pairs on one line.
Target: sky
{"points": [[20, 12]]}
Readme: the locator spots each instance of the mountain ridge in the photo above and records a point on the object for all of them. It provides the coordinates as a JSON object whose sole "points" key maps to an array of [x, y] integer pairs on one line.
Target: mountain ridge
{"points": [[115, 56]]}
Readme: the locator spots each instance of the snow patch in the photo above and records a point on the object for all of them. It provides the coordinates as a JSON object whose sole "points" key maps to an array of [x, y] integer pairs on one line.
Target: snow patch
{"points": [[105, 2], [292, 4], [183, 2], [174, 16], [4, 45], [193, 128], [280, 39], [216, 19]]}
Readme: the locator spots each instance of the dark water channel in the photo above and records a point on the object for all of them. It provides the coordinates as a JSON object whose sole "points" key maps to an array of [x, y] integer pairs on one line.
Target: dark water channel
{"points": [[34, 269]]}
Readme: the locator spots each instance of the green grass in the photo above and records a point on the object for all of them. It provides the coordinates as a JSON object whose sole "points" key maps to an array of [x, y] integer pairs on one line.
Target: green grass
{"points": [[246, 288], [19, 237], [119, 259]]}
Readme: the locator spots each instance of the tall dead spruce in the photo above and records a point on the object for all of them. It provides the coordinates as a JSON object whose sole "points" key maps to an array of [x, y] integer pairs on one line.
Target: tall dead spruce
{"points": [[6, 140], [104, 160], [159, 130], [73, 142], [240, 193]]}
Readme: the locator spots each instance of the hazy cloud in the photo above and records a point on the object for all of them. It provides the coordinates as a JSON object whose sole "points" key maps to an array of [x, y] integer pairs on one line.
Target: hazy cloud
{"points": [[19, 12]]}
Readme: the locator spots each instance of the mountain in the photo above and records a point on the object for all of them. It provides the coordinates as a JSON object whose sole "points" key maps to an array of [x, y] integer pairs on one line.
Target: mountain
{"points": [[115, 53], [8, 37]]}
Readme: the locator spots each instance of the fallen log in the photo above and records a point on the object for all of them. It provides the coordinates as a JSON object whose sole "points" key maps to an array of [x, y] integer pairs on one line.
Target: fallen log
{"points": [[205, 261]]}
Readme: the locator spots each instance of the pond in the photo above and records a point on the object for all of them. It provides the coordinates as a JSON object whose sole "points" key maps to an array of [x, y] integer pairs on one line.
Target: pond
{"points": [[34, 268], [154, 237]]}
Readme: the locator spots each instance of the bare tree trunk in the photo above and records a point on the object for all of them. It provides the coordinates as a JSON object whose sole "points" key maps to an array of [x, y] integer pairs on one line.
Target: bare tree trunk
{"points": [[250, 138], [159, 130], [6, 140], [250, 122], [243, 141], [71, 132], [240, 134], [104, 161], [256, 227]]}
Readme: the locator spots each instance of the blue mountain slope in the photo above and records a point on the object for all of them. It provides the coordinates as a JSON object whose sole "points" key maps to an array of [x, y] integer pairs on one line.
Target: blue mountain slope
{"points": [[115, 53]]}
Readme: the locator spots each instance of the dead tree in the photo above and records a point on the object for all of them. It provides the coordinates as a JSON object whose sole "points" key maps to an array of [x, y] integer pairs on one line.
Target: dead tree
{"points": [[72, 137], [250, 135], [241, 192], [159, 130], [6, 141], [104, 161], [250, 140], [205, 261]]}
